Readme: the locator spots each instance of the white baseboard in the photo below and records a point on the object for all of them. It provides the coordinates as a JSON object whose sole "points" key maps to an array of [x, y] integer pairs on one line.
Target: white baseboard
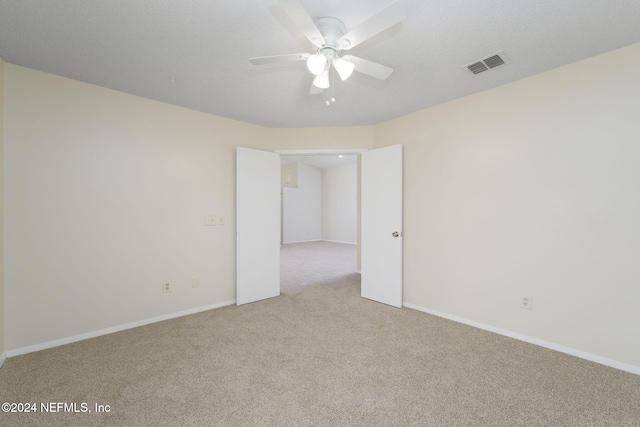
{"points": [[562, 349], [338, 241], [88, 335], [301, 241], [3, 357], [319, 240]]}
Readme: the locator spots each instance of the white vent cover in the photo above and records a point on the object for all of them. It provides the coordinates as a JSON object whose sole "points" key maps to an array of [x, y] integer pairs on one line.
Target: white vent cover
{"points": [[485, 64]]}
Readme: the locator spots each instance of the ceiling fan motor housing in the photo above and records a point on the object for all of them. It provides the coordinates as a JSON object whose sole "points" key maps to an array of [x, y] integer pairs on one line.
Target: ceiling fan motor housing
{"points": [[332, 29]]}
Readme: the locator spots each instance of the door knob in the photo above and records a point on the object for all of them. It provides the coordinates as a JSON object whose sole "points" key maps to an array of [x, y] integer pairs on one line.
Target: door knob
{"points": [[395, 234]]}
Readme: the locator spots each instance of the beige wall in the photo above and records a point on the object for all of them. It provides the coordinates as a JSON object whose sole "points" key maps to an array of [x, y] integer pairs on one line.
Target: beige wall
{"points": [[530, 189], [2, 346], [106, 194], [322, 138], [527, 189], [105, 198]]}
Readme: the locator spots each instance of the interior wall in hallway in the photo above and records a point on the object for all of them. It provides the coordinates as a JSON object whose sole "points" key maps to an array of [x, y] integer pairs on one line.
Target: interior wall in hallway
{"points": [[302, 206], [340, 204]]}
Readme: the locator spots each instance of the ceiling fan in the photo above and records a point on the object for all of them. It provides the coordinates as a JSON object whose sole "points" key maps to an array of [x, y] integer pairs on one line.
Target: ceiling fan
{"points": [[330, 37]]}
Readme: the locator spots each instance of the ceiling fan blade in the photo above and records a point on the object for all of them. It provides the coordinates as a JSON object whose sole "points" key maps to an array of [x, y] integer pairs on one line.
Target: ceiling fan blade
{"points": [[279, 58], [302, 19], [369, 68], [387, 17], [315, 90]]}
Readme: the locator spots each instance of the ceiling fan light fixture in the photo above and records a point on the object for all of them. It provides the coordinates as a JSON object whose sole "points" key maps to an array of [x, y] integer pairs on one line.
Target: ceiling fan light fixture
{"points": [[322, 80], [329, 36], [343, 67], [316, 63]]}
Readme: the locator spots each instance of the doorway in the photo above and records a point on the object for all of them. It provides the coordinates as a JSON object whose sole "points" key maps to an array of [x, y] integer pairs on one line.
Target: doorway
{"points": [[258, 210], [319, 219]]}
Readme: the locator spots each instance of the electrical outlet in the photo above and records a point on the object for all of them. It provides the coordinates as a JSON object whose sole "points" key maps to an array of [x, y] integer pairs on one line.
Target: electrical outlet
{"points": [[166, 287], [222, 220], [195, 282], [527, 303], [210, 220]]}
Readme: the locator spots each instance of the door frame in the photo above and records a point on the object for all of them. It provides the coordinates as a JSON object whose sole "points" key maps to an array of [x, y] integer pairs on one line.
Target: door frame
{"points": [[321, 152]]}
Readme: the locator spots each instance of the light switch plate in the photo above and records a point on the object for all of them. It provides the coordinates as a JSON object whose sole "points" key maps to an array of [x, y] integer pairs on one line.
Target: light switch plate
{"points": [[210, 220]]}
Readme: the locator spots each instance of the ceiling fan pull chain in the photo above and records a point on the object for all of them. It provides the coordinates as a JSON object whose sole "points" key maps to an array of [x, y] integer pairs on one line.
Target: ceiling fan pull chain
{"points": [[333, 86]]}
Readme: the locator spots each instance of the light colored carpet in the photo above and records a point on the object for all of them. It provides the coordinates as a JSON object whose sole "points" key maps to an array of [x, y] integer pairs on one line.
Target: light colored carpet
{"points": [[304, 265], [318, 356]]}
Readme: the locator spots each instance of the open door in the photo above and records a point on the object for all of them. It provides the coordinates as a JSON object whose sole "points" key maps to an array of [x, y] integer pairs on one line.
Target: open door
{"points": [[258, 225], [381, 225]]}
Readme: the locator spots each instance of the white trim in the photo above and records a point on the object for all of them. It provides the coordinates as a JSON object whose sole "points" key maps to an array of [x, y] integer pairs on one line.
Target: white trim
{"points": [[562, 349], [3, 357], [338, 241], [320, 151], [94, 334], [319, 240]]}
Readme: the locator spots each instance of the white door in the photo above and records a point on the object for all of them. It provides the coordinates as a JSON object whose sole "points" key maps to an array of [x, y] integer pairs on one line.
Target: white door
{"points": [[258, 225], [381, 225]]}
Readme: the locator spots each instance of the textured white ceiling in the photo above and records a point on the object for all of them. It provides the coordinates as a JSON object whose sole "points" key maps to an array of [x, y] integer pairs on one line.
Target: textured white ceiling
{"points": [[193, 53]]}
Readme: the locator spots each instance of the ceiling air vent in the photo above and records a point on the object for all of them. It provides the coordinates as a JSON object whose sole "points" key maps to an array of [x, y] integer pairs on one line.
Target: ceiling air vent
{"points": [[477, 68], [485, 64]]}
